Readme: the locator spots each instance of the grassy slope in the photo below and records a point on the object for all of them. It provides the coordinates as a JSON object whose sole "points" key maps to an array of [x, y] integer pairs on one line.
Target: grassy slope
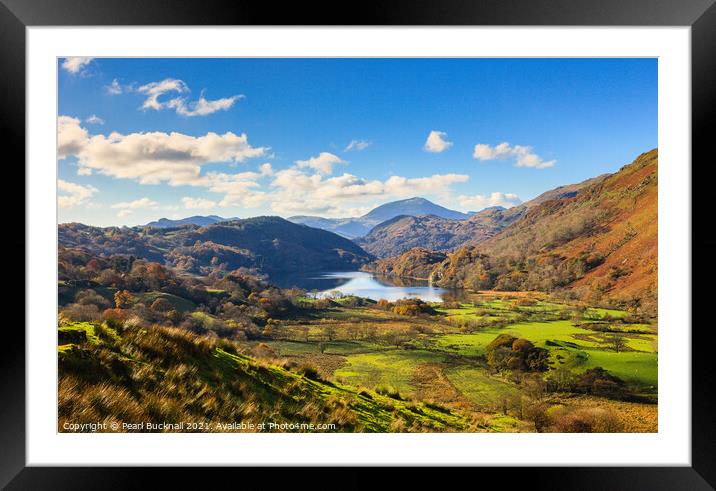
{"points": [[163, 374]]}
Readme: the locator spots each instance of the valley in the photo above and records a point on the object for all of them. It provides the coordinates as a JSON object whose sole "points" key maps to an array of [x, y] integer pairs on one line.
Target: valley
{"points": [[537, 318]]}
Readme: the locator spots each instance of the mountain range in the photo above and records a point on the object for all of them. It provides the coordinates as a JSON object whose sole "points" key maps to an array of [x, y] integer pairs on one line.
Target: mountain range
{"points": [[404, 232], [597, 237], [431, 231], [360, 226]]}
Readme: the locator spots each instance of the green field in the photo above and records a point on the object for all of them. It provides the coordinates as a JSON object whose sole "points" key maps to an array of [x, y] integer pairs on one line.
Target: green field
{"points": [[394, 368]]}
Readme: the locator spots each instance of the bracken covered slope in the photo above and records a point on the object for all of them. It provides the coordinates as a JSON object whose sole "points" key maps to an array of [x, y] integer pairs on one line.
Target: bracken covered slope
{"points": [[614, 219]]}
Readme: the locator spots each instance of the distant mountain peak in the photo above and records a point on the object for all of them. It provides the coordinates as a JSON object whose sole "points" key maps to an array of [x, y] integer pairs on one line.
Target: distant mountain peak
{"points": [[358, 227]]}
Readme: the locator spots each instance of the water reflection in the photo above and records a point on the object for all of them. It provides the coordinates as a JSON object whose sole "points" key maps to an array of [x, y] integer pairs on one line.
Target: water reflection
{"points": [[367, 285]]}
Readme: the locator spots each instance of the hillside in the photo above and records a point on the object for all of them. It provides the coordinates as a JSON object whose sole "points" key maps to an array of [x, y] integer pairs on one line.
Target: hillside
{"points": [[173, 376], [598, 240], [417, 263], [360, 226], [269, 245], [402, 233], [612, 222]]}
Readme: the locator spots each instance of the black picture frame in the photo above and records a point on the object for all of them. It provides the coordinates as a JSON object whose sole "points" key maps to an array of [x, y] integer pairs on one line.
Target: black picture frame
{"points": [[700, 15]]}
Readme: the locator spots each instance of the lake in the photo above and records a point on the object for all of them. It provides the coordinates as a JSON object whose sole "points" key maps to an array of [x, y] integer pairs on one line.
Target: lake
{"points": [[367, 285]]}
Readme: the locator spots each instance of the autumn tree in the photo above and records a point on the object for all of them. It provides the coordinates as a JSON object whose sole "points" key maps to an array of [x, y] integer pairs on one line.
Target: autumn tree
{"points": [[123, 299]]}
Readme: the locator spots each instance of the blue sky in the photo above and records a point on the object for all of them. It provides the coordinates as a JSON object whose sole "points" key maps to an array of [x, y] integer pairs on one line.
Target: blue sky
{"points": [[141, 139]]}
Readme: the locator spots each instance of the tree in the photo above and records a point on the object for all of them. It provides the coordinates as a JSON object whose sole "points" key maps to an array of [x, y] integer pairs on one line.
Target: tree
{"points": [[330, 332], [123, 299], [616, 342]]}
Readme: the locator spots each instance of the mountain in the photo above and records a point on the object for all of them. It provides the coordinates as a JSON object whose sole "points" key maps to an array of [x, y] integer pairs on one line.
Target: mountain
{"points": [[195, 220], [270, 245], [395, 236], [401, 233], [597, 239], [412, 207], [611, 223], [358, 227]]}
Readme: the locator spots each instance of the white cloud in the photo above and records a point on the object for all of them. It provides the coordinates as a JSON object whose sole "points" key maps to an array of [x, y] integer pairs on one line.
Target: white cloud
{"points": [[437, 142], [151, 158], [480, 201], [323, 163], [266, 169], [94, 119], [238, 189], [76, 64], [295, 192], [357, 145], [126, 208], [523, 155], [198, 203], [136, 204], [71, 194], [114, 88], [202, 107], [154, 90], [71, 137]]}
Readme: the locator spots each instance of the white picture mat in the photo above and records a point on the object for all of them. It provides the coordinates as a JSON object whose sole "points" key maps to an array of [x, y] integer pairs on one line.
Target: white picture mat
{"points": [[670, 446]]}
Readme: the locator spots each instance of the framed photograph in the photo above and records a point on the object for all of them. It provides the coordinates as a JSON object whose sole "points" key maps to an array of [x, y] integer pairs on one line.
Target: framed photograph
{"points": [[454, 235]]}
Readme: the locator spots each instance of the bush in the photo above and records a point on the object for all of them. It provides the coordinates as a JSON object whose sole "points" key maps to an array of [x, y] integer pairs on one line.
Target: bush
{"points": [[511, 353], [586, 420], [389, 391], [81, 313], [599, 382], [309, 372]]}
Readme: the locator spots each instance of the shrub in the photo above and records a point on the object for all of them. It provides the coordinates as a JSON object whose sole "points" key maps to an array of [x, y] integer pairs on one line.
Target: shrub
{"points": [[509, 352], [586, 420], [81, 313], [389, 391], [599, 382], [309, 372]]}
